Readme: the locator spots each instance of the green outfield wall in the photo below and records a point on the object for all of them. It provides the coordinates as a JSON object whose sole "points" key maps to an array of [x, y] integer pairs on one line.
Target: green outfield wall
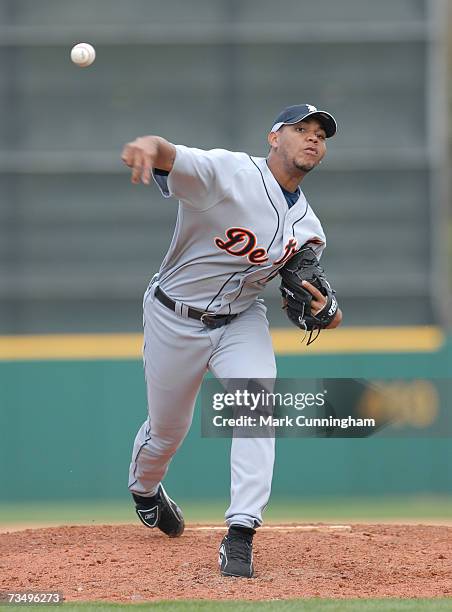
{"points": [[66, 430]]}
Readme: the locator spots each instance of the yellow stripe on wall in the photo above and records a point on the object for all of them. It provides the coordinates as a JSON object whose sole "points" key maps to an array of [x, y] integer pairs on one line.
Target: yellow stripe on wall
{"points": [[425, 339], [285, 341], [71, 346]]}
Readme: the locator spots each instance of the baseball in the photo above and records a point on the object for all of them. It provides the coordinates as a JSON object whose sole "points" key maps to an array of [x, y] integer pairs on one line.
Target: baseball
{"points": [[83, 54]]}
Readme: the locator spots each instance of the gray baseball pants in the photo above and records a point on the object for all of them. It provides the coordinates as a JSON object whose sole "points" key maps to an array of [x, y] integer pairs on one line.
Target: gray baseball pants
{"points": [[177, 354]]}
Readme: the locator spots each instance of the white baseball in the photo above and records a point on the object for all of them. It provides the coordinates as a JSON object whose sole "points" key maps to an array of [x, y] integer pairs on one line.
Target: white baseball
{"points": [[83, 54]]}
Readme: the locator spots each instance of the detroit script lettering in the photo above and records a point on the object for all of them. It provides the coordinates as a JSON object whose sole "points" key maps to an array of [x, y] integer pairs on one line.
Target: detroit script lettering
{"points": [[242, 242]]}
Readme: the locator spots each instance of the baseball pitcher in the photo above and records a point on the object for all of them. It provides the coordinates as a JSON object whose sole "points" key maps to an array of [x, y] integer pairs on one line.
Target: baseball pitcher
{"points": [[242, 220]]}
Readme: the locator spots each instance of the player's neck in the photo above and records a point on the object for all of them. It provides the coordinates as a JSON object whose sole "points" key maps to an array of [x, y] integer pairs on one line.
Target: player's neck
{"points": [[289, 181]]}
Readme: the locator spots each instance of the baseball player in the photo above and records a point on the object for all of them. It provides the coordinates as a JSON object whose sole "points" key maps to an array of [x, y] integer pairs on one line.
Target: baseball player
{"points": [[240, 218]]}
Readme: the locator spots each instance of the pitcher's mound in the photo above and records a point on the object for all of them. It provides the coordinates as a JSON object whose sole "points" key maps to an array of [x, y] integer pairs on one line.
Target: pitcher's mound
{"points": [[132, 563]]}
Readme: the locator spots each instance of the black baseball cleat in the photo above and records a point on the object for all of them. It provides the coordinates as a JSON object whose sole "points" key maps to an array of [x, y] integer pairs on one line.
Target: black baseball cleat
{"points": [[236, 552], [160, 511]]}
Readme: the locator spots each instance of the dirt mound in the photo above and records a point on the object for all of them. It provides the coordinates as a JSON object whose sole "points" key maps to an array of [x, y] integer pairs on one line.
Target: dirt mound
{"points": [[131, 563]]}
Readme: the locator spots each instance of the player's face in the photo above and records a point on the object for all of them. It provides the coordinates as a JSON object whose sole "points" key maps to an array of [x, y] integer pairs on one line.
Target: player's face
{"points": [[301, 145]]}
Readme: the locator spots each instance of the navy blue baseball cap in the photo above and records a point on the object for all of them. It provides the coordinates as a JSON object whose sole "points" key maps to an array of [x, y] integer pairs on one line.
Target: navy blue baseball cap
{"points": [[298, 112]]}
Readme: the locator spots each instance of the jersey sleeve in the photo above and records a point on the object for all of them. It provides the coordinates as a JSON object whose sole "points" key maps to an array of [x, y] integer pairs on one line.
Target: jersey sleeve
{"points": [[199, 179]]}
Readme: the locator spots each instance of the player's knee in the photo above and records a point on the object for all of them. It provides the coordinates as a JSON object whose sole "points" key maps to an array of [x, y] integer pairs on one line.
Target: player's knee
{"points": [[168, 445]]}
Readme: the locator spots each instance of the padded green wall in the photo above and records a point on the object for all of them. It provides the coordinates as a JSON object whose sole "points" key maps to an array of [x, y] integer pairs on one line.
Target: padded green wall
{"points": [[66, 430]]}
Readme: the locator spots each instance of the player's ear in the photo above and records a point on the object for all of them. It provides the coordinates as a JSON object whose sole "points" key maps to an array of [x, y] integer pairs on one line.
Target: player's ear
{"points": [[272, 139]]}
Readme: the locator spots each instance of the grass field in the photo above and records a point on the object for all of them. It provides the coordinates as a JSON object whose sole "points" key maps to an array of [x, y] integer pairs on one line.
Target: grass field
{"points": [[397, 509], [308, 605]]}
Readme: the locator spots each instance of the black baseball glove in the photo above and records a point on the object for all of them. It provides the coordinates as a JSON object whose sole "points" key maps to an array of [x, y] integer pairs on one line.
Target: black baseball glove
{"points": [[304, 266]]}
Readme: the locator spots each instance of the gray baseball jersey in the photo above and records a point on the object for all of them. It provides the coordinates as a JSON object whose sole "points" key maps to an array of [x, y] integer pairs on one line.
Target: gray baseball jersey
{"points": [[234, 231]]}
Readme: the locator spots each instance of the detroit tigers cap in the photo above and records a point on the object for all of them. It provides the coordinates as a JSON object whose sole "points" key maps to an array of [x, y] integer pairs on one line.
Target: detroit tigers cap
{"points": [[298, 112]]}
